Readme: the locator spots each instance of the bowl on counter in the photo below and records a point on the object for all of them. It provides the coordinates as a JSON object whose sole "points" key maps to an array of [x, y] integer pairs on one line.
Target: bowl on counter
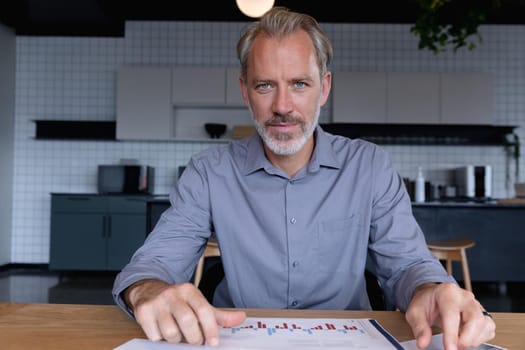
{"points": [[215, 130]]}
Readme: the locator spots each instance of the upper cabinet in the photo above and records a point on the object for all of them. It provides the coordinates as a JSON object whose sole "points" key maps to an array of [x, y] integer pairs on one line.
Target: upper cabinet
{"points": [[174, 103], [143, 103], [466, 98], [359, 97], [412, 98], [201, 86], [233, 88]]}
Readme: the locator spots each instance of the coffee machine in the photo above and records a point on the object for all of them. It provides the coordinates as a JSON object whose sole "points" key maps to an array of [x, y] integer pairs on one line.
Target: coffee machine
{"points": [[474, 181]]}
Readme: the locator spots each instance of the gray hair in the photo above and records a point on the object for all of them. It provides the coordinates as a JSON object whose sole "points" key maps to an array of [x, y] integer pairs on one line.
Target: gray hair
{"points": [[279, 22]]}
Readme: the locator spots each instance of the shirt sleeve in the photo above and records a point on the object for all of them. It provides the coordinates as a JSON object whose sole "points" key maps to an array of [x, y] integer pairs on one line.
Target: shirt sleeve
{"points": [[171, 251], [397, 249]]}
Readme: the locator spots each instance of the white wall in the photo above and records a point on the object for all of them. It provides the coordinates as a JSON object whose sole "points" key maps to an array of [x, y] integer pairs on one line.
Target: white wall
{"points": [[74, 79], [7, 122]]}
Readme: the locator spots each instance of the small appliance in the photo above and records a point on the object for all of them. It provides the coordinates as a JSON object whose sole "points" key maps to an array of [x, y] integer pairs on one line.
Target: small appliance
{"points": [[474, 181], [125, 179]]}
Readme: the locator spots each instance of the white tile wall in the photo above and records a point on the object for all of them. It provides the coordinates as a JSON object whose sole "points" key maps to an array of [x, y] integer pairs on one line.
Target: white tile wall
{"points": [[74, 79]]}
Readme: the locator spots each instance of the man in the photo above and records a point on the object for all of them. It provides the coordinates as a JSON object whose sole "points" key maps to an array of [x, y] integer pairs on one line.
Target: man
{"points": [[297, 213]]}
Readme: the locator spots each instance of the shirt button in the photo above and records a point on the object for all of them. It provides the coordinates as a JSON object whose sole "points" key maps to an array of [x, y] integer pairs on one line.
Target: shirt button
{"points": [[295, 263], [295, 303], [293, 220]]}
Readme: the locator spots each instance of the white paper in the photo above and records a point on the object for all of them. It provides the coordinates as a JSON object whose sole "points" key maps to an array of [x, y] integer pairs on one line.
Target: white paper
{"points": [[289, 334], [437, 344]]}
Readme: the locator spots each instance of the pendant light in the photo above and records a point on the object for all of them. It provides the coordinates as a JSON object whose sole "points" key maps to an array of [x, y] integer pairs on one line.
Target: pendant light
{"points": [[254, 8]]}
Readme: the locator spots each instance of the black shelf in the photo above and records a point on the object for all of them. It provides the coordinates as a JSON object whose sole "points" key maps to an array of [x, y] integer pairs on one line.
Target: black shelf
{"points": [[75, 130], [424, 134]]}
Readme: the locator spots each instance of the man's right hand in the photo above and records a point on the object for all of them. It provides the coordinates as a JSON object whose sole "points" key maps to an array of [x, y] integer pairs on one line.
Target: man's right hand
{"points": [[178, 313]]}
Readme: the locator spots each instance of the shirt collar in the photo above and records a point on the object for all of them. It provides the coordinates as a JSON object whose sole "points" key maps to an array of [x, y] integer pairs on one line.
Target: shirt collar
{"points": [[323, 155]]}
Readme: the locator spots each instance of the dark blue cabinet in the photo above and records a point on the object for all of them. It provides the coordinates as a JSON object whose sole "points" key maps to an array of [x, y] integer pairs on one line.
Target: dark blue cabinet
{"points": [[498, 230], [95, 233]]}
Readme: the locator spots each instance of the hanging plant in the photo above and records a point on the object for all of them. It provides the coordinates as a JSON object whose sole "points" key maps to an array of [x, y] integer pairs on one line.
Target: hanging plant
{"points": [[513, 147], [455, 23]]}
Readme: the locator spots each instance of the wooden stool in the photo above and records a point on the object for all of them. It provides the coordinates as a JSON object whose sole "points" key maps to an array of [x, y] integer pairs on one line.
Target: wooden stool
{"points": [[212, 249], [453, 250]]}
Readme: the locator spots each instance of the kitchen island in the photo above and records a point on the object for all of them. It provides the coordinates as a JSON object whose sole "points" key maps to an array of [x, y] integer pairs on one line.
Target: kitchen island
{"points": [[497, 227]]}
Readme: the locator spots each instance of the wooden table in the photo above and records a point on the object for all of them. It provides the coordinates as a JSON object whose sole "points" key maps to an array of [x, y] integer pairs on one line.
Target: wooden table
{"points": [[98, 327]]}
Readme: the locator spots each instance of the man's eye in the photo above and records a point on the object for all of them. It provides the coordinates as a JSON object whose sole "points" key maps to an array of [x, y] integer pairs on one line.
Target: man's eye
{"points": [[300, 84], [263, 86]]}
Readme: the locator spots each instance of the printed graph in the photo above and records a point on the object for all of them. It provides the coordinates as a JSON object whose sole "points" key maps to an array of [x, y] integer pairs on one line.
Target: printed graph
{"points": [[297, 333], [298, 326]]}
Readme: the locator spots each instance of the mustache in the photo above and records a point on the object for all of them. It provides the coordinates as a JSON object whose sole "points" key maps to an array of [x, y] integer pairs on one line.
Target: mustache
{"points": [[280, 118]]}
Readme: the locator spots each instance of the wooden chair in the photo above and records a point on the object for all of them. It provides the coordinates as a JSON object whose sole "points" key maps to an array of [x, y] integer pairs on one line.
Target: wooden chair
{"points": [[451, 250], [212, 249]]}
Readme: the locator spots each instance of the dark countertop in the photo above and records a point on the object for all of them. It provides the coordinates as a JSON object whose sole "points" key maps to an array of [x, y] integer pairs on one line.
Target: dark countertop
{"points": [[491, 203], [159, 198]]}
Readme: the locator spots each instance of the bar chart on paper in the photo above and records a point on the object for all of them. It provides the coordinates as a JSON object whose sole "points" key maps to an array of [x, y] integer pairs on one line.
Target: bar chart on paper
{"points": [[289, 334], [297, 333]]}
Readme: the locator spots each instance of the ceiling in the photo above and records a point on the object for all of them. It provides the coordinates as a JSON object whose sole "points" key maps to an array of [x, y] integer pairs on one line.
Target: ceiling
{"points": [[107, 17]]}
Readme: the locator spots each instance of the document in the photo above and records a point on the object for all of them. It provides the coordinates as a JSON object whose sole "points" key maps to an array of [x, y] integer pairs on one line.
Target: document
{"points": [[290, 334], [437, 344]]}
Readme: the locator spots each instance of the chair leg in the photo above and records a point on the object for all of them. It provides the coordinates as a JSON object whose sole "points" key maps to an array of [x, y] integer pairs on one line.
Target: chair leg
{"points": [[466, 274], [198, 271], [449, 266]]}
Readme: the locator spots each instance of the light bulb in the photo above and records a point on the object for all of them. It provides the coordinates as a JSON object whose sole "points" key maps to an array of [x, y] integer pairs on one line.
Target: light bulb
{"points": [[254, 8]]}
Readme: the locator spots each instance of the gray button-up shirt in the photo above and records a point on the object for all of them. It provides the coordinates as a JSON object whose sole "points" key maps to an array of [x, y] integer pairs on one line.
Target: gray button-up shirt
{"points": [[291, 242]]}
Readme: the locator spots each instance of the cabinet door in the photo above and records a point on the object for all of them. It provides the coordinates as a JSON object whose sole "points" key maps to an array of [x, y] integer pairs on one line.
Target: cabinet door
{"points": [[466, 98], [78, 241], [413, 98], [198, 86], [143, 103], [359, 97], [127, 233], [233, 90]]}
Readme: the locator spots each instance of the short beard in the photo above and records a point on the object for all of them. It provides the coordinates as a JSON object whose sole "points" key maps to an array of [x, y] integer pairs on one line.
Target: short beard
{"points": [[276, 142]]}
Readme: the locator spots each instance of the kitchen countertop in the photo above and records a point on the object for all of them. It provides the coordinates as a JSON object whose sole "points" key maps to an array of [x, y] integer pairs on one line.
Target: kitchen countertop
{"points": [[492, 203]]}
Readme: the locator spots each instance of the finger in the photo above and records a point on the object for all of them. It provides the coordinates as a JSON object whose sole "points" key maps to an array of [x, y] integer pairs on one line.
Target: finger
{"points": [[451, 320], [227, 318], [477, 328], [224, 318], [421, 327], [206, 317], [168, 328], [188, 323], [148, 323]]}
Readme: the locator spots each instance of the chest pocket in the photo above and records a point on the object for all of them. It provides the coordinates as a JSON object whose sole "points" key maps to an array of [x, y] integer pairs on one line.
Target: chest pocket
{"points": [[341, 242]]}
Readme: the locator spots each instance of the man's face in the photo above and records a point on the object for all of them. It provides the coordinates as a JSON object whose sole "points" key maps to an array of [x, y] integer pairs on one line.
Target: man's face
{"points": [[284, 91]]}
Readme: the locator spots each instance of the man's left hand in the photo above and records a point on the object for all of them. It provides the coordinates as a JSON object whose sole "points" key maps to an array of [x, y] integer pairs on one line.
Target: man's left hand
{"points": [[455, 310]]}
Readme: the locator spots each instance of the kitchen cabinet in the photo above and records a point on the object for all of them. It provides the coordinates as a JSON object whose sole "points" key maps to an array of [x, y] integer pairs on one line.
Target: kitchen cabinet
{"points": [[95, 232], [233, 89], [412, 98], [175, 103], [359, 97], [143, 103], [496, 229], [466, 98], [206, 86]]}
